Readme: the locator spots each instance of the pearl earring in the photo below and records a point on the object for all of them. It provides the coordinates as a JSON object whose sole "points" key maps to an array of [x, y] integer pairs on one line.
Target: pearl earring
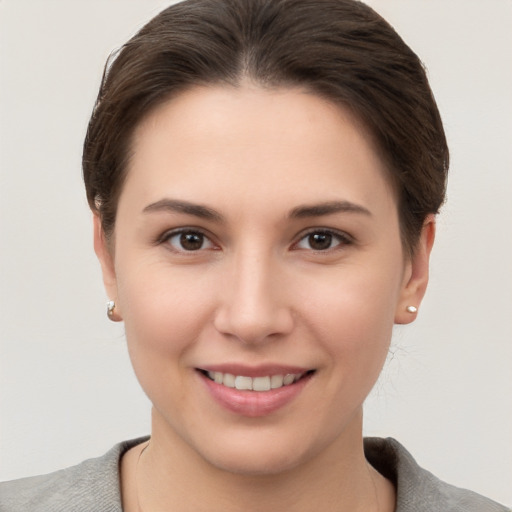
{"points": [[110, 309], [412, 309]]}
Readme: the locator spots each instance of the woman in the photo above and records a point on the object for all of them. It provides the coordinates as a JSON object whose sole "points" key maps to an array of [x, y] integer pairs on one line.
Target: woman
{"points": [[264, 178]]}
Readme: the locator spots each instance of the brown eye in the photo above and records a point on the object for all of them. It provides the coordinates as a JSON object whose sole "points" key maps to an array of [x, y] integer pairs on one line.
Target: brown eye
{"points": [[191, 241], [323, 240], [188, 241], [320, 241]]}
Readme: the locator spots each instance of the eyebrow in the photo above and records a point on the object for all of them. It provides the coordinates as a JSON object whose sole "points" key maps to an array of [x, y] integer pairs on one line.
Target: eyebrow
{"points": [[174, 205], [299, 212], [328, 208]]}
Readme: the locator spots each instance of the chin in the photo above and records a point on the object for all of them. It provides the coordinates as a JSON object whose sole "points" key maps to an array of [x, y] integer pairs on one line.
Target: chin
{"points": [[245, 455], [262, 464]]}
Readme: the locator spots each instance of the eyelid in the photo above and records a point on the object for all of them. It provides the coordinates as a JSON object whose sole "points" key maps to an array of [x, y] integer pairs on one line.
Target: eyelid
{"points": [[344, 238], [167, 235]]}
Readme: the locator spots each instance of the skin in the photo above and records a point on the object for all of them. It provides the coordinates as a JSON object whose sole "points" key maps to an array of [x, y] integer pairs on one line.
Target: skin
{"points": [[256, 292]]}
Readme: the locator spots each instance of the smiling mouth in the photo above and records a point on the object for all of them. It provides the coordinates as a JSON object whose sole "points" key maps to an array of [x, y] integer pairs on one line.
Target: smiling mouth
{"points": [[264, 383]]}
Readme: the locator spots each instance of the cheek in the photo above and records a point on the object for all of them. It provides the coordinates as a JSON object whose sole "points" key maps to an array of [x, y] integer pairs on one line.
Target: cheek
{"points": [[164, 312], [358, 302], [353, 320]]}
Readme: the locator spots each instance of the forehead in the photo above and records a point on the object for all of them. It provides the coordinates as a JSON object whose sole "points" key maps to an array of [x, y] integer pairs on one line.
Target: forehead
{"points": [[288, 143]]}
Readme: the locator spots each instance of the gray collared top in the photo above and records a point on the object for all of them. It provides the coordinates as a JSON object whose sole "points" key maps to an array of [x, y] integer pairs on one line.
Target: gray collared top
{"points": [[93, 485]]}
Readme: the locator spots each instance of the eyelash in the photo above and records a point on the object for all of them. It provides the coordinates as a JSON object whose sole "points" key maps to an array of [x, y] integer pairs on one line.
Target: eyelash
{"points": [[343, 240], [169, 235]]}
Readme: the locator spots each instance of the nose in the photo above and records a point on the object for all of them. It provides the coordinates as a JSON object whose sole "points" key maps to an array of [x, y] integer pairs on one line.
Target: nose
{"points": [[253, 306]]}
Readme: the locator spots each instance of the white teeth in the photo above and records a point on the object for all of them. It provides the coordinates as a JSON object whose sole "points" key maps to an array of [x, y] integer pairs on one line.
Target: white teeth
{"points": [[288, 379], [244, 383], [228, 380], [276, 381], [261, 383]]}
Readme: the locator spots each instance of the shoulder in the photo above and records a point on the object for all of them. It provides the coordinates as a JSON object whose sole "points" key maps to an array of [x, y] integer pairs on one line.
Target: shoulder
{"points": [[91, 485], [418, 490]]}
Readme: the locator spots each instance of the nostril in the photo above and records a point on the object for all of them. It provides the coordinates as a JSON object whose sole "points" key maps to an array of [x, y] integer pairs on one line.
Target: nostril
{"points": [[256, 326]]}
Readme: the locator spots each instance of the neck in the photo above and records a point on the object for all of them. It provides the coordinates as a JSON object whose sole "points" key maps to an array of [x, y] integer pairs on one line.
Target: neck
{"points": [[337, 479]]}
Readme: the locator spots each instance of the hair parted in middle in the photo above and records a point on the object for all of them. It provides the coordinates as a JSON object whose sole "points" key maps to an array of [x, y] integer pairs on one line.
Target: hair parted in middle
{"points": [[341, 50]]}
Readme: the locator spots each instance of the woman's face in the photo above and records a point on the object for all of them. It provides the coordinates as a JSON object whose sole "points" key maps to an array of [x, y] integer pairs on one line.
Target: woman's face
{"points": [[257, 244]]}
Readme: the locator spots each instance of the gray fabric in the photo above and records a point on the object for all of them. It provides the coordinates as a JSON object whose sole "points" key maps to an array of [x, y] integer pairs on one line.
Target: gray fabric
{"points": [[93, 485], [419, 490]]}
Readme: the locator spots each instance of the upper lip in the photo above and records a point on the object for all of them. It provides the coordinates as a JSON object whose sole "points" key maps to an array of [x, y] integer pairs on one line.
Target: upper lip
{"points": [[254, 371]]}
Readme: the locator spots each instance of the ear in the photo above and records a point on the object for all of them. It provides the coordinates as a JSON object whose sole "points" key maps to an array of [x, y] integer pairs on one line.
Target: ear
{"points": [[416, 274], [106, 258]]}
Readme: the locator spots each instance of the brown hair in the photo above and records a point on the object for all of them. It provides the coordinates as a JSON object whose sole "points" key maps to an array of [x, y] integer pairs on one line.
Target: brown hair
{"points": [[339, 49]]}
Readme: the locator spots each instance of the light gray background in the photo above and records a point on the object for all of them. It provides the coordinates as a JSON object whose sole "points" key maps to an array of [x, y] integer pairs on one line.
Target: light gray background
{"points": [[67, 390]]}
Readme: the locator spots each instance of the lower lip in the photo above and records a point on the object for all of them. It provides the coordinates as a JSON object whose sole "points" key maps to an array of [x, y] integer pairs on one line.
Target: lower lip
{"points": [[254, 404]]}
